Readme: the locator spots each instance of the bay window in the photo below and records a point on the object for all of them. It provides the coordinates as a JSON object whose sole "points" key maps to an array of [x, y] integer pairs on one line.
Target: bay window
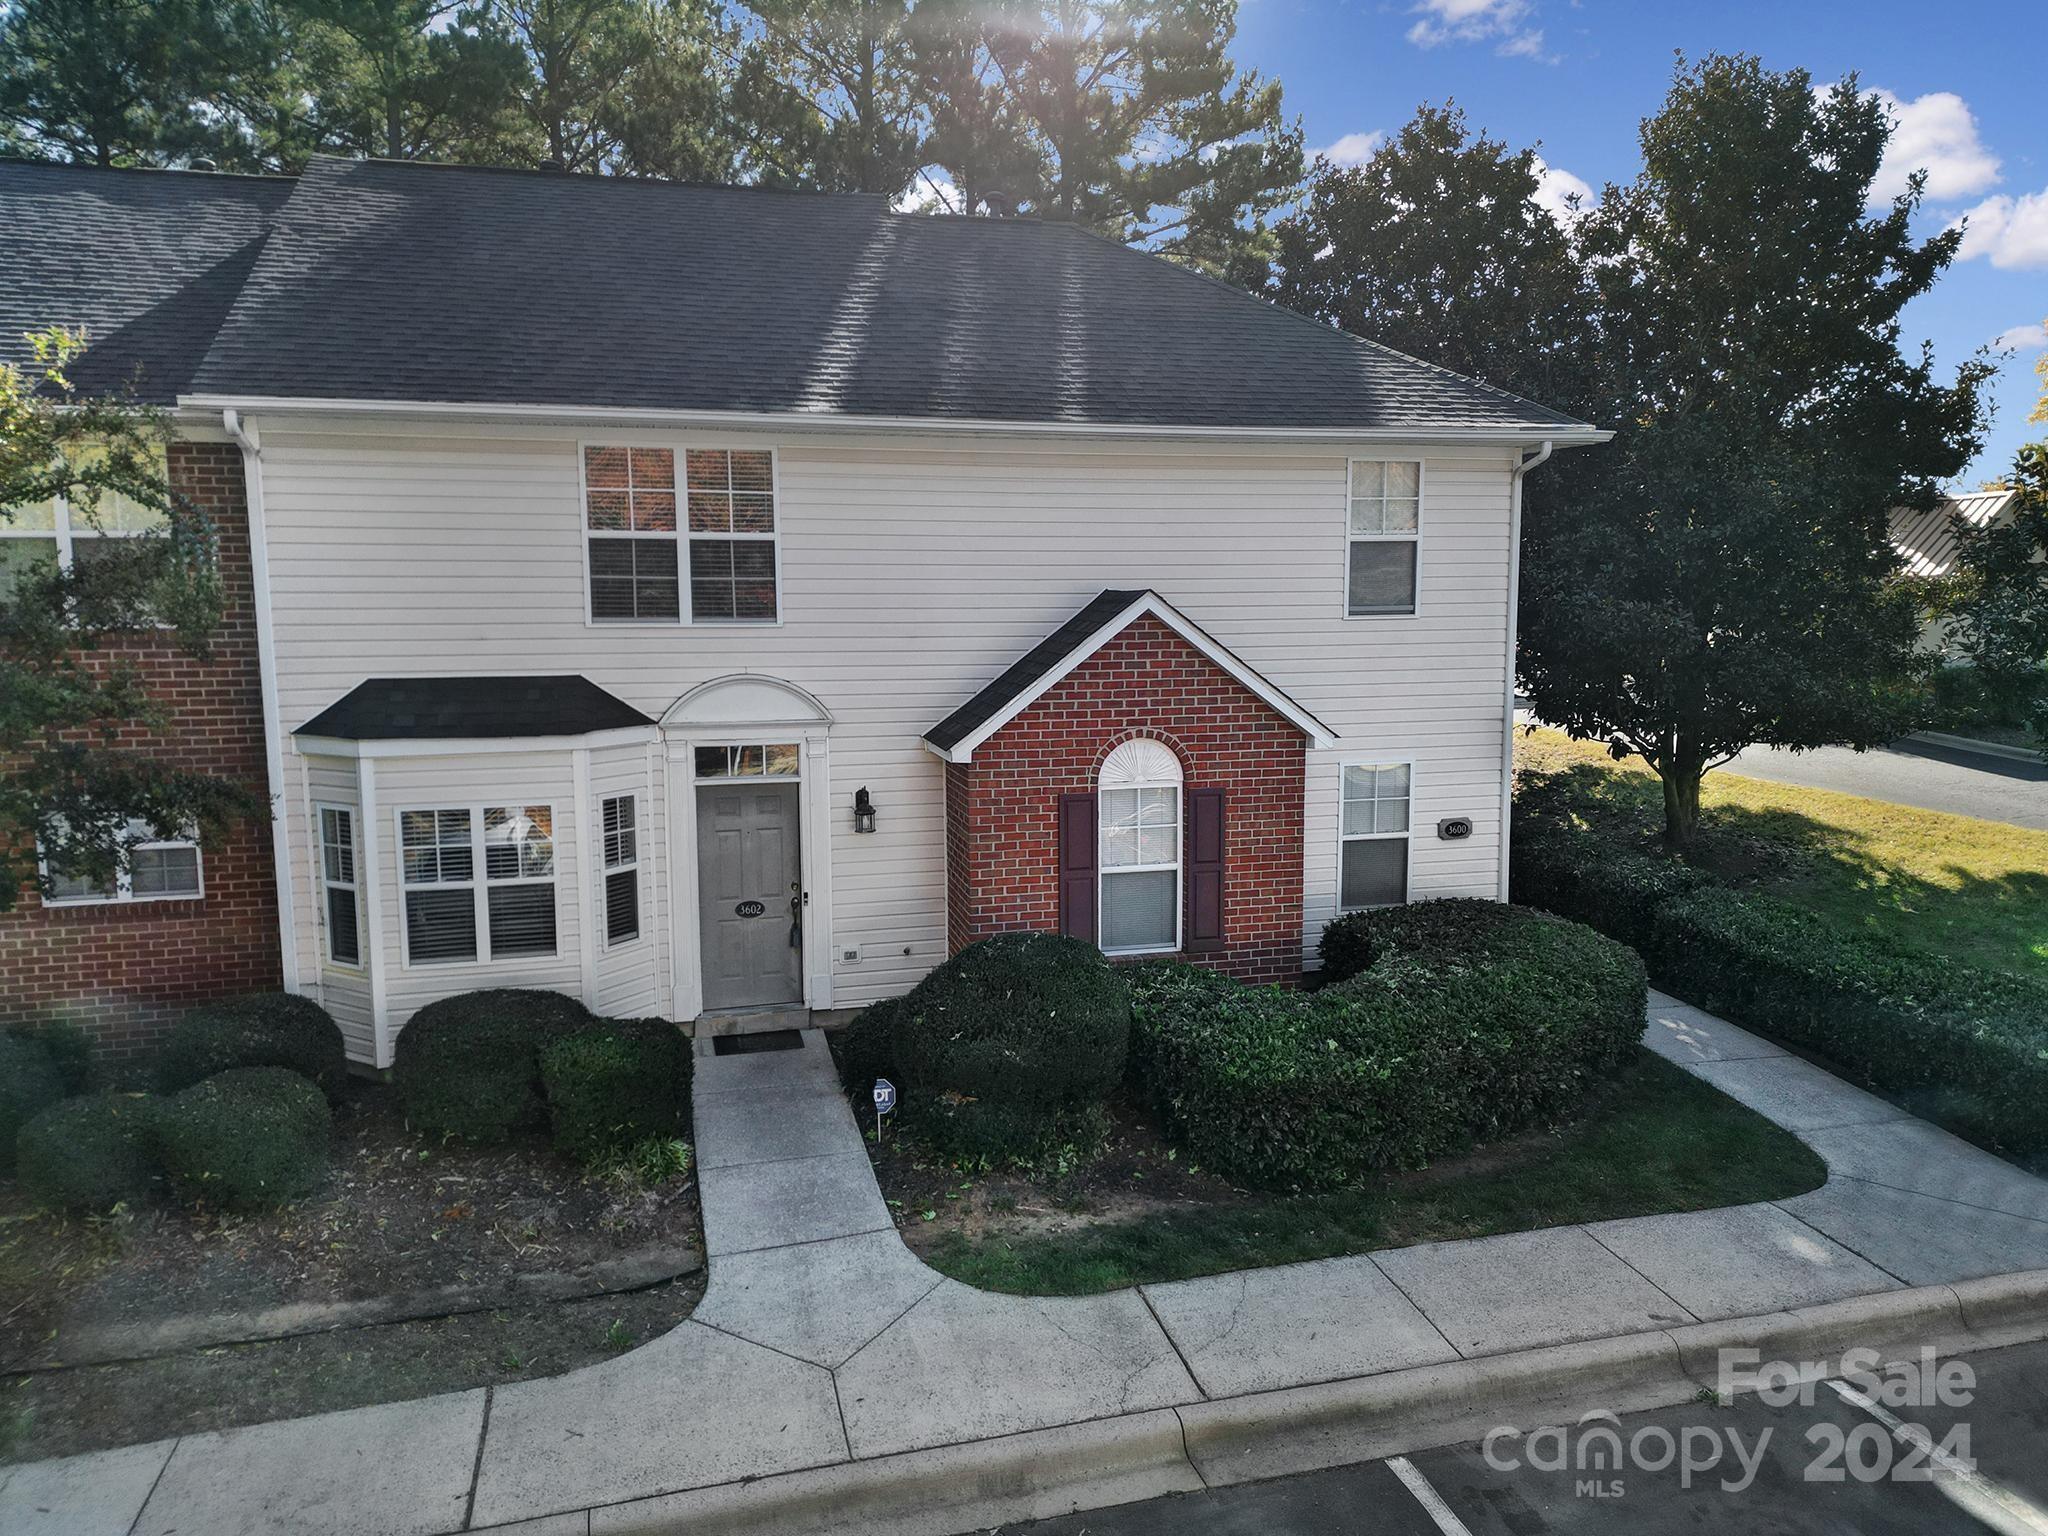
{"points": [[479, 882]]}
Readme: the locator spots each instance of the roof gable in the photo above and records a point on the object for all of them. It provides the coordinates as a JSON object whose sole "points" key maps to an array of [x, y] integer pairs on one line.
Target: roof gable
{"points": [[1034, 674]]}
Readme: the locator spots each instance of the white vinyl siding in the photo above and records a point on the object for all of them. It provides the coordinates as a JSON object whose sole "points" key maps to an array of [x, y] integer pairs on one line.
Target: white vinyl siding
{"points": [[913, 571]]}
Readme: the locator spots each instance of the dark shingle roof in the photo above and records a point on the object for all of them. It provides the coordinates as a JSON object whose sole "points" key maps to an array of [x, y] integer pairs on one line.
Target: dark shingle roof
{"points": [[440, 708], [390, 281], [148, 262], [1028, 669]]}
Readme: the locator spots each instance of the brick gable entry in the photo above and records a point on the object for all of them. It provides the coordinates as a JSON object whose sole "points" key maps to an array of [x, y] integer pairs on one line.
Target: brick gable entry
{"points": [[1003, 807], [125, 970]]}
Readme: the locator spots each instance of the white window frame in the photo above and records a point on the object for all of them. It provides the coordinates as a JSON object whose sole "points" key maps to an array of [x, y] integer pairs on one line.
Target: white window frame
{"points": [[1104, 872], [1408, 837], [1414, 610], [479, 883], [354, 887], [607, 868], [124, 889], [65, 535], [682, 538]]}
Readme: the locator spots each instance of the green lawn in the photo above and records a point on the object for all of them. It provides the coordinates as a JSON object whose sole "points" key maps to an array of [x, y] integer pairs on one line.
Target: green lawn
{"points": [[1975, 891], [1658, 1140]]}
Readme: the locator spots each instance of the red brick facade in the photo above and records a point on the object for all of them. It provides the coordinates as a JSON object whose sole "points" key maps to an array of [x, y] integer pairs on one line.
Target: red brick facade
{"points": [[1002, 808], [125, 969]]}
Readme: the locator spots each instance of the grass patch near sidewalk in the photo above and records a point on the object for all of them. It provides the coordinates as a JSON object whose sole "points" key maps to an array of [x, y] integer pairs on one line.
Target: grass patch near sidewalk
{"points": [[1974, 891], [1656, 1140]]}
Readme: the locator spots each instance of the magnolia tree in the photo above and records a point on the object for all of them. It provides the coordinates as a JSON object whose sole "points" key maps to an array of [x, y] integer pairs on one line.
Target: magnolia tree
{"points": [[81, 776]]}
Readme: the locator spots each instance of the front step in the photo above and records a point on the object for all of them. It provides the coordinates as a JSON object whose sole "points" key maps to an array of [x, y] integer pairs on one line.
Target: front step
{"points": [[751, 1021]]}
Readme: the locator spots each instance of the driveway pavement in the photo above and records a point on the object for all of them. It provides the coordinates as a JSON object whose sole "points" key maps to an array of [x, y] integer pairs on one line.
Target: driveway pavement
{"points": [[824, 1350]]}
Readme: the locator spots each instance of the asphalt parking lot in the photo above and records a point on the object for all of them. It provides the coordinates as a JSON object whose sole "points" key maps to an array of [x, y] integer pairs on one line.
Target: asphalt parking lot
{"points": [[1834, 1466]]}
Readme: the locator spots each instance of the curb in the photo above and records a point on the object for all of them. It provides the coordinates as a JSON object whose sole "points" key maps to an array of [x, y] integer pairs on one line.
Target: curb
{"points": [[1996, 749], [1106, 1462]]}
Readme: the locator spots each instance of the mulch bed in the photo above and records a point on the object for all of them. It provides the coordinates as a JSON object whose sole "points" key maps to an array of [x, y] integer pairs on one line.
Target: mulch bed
{"points": [[402, 1213]]}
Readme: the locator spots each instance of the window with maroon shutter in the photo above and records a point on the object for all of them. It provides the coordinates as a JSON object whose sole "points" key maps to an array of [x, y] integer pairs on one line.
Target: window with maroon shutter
{"points": [[1077, 866], [1205, 870]]}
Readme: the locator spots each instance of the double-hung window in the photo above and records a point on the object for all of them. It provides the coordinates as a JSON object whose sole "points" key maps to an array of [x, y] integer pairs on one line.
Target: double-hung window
{"points": [[620, 818], [152, 868], [702, 551], [55, 535], [1139, 808], [338, 883], [1376, 830], [479, 882], [1385, 537]]}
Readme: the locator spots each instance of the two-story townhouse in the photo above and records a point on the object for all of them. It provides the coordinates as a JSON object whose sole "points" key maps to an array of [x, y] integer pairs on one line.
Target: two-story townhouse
{"points": [[717, 602]]}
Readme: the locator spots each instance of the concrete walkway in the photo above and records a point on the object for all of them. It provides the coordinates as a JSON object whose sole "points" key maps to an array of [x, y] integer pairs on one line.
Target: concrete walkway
{"points": [[823, 1342]]}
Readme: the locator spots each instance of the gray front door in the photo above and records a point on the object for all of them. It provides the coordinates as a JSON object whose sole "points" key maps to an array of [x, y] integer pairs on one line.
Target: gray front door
{"points": [[748, 895]]}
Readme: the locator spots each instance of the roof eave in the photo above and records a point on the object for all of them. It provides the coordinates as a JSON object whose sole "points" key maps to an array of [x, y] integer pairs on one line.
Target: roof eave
{"points": [[197, 406]]}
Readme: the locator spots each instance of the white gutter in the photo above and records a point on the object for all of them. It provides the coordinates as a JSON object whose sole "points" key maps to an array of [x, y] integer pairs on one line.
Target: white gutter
{"points": [[802, 421], [246, 439], [1507, 708]]}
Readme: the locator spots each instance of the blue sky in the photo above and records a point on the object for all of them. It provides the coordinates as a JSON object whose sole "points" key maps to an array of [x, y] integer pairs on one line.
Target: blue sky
{"points": [[1576, 77]]}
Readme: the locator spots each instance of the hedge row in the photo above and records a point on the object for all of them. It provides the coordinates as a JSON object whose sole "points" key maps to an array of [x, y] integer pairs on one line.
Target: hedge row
{"points": [[1448, 1023], [1009, 1050], [1965, 1047]]}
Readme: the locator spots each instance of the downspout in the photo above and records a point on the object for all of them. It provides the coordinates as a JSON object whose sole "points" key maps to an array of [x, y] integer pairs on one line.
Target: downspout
{"points": [[246, 439], [1507, 706]]}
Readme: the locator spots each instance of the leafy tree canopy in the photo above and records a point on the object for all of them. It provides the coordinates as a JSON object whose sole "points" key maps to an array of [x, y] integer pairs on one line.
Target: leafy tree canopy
{"points": [[76, 765]]}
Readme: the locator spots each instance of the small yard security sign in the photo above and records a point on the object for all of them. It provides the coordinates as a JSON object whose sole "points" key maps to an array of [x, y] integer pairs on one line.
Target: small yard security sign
{"points": [[885, 1100]]}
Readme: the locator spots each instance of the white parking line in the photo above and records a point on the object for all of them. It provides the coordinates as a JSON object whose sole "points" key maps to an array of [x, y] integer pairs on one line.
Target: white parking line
{"points": [[1998, 1507], [1431, 1501]]}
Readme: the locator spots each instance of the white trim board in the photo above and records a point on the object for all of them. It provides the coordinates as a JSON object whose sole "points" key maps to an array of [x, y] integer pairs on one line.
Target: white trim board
{"points": [[1320, 736]]}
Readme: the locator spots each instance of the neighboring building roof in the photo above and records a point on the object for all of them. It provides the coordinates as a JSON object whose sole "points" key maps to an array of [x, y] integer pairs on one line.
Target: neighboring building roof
{"points": [[456, 708], [1105, 616], [1926, 541], [147, 262], [390, 281]]}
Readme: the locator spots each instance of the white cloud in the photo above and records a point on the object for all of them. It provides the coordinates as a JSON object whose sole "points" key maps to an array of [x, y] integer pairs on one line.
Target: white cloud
{"points": [[1557, 187], [931, 192], [1352, 149], [1504, 23], [2009, 231], [2022, 338], [1935, 133]]}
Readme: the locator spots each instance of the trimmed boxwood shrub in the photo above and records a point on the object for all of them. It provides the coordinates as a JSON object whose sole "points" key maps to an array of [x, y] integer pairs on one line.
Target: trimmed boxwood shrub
{"points": [[247, 1139], [70, 1049], [264, 1029], [614, 1084], [1353, 943], [469, 1065], [1966, 1047], [91, 1153], [1472, 1021], [1580, 875], [29, 1084], [1012, 1047]]}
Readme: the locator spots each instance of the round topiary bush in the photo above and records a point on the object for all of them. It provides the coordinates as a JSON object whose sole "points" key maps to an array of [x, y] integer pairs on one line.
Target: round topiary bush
{"points": [[1013, 1046], [614, 1084], [70, 1049], [29, 1084], [264, 1029], [469, 1066], [247, 1139], [91, 1153]]}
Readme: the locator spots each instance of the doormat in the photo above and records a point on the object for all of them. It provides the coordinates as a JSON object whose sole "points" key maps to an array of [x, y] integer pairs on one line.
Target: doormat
{"points": [[764, 1040]]}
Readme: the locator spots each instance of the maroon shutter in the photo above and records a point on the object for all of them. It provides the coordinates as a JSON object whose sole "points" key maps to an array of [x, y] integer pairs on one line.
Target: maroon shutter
{"points": [[1205, 870], [1077, 866]]}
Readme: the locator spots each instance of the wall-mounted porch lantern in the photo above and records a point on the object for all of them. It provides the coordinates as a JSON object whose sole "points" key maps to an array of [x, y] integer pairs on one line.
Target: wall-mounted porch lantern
{"points": [[863, 810]]}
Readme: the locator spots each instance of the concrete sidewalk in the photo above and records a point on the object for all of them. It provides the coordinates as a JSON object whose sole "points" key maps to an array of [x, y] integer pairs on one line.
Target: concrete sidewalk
{"points": [[823, 1348]]}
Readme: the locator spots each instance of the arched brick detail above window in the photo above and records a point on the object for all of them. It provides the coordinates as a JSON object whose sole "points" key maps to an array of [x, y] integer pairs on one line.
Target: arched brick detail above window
{"points": [[1003, 807]]}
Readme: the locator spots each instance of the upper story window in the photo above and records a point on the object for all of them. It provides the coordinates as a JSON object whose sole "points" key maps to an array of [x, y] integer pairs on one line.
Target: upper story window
{"points": [[1139, 807], [154, 869], [701, 550], [56, 535], [1385, 533]]}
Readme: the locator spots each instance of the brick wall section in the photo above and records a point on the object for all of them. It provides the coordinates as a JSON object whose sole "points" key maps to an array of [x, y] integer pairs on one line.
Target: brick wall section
{"points": [[124, 970], [1002, 809]]}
